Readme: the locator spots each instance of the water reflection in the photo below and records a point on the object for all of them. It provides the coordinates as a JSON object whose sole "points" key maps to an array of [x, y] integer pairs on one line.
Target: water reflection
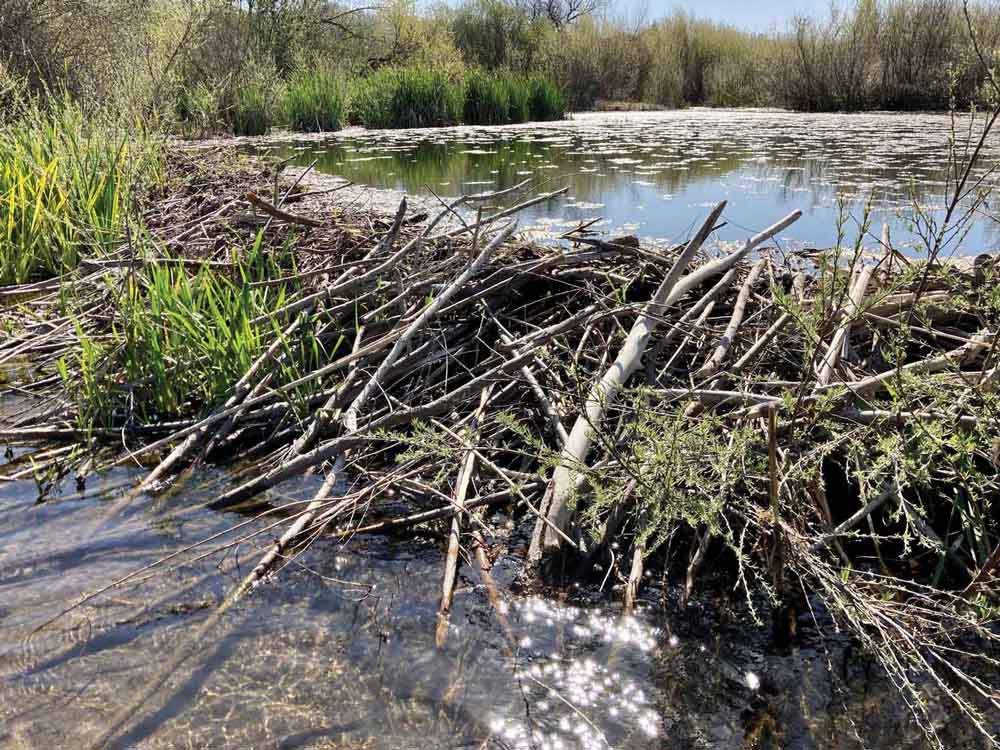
{"points": [[339, 652], [645, 172]]}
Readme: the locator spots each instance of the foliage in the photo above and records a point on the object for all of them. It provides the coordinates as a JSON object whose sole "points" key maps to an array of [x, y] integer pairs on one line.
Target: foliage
{"points": [[180, 340], [407, 98], [487, 99], [66, 179], [315, 100], [545, 100]]}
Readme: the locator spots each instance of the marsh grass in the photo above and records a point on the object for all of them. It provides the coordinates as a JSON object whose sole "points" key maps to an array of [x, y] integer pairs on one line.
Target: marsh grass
{"points": [[250, 113], [487, 99], [407, 98], [545, 100], [181, 339], [315, 101], [66, 179]]}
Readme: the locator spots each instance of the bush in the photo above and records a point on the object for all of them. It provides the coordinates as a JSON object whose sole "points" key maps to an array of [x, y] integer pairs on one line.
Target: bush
{"points": [[407, 98], [315, 101], [487, 101], [545, 100]]}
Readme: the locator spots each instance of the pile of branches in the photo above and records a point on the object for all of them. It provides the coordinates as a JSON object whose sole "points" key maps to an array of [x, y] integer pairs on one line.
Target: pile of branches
{"points": [[822, 423]]}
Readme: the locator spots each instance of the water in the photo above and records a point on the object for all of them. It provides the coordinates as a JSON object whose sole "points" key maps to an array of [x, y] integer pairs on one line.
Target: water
{"points": [[338, 651], [654, 173]]}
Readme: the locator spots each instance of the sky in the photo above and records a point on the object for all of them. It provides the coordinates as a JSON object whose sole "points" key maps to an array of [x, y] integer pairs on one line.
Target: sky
{"points": [[752, 15]]}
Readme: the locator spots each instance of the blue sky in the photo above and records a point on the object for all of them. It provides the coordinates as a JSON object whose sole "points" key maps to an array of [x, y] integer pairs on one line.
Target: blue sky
{"points": [[753, 15]]}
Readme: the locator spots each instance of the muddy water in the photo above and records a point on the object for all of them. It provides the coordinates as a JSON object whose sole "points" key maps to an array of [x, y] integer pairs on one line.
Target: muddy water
{"points": [[650, 173]]}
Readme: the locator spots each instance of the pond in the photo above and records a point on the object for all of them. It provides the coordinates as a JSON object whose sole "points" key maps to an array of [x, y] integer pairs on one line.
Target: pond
{"points": [[339, 650], [654, 173]]}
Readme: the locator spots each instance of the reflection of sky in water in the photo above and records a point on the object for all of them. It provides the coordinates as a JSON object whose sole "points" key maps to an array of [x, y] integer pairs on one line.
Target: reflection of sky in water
{"points": [[652, 173]]}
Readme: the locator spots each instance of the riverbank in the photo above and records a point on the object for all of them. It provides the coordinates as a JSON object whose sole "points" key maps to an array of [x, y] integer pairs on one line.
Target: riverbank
{"points": [[816, 424]]}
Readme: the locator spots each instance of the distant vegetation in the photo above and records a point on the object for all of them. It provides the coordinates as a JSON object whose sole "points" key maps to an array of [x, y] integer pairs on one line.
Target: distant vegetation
{"points": [[212, 66]]}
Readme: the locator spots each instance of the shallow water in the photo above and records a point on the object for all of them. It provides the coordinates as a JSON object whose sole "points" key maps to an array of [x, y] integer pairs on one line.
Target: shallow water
{"points": [[654, 173], [339, 651]]}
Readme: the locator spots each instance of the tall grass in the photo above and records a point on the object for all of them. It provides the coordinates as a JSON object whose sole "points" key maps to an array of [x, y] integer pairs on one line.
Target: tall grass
{"points": [[66, 179], [184, 338], [487, 100], [407, 98], [315, 101], [545, 100], [250, 113], [518, 98]]}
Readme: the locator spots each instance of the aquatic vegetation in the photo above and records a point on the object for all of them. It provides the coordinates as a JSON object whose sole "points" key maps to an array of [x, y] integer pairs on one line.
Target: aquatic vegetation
{"points": [[66, 179], [251, 111], [518, 97], [545, 100], [407, 98], [487, 99], [315, 100]]}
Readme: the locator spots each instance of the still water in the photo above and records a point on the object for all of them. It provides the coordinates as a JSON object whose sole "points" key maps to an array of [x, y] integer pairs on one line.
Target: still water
{"points": [[339, 650], [653, 173]]}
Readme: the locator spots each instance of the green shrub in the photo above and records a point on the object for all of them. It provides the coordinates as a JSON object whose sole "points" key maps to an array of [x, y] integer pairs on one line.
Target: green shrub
{"points": [[407, 98], [315, 101], [487, 99], [545, 100]]}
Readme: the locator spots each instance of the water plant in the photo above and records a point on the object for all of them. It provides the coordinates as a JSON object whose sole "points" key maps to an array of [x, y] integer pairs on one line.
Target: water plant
{"points": [[518, 97], [487, 99], [545, 100], [315, 101], [250, 112], [66, 178], [407, 98]]}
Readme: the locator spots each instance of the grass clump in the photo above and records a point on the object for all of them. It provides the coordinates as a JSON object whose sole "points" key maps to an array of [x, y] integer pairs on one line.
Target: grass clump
{"points": [[66, 179], [182, 338], [545, 100], [407, 98], [487, 99], [518, 98], [315, 101], [250, 113]]}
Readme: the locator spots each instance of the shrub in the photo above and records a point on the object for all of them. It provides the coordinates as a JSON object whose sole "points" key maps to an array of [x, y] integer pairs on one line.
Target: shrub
{"points": [[407, 98], [315, 101]]}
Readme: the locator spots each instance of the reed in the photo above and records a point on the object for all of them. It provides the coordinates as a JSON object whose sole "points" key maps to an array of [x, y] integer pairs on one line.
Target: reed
{"points": [[250, 113], [315, 101], [545, 100], [65, 181], [487, 99], [407, 98]]}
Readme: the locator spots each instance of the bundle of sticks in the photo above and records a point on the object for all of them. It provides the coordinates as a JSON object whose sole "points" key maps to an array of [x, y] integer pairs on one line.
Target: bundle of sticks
{"points": [[465, 369]]}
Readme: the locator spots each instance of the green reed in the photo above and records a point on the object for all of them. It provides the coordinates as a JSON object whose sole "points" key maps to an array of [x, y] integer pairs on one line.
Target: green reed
{"points": [[315, 101], [407, 98], [65, 180]]}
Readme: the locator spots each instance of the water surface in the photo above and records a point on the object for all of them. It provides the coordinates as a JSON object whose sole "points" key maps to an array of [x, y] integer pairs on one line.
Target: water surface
{"points": [[655, 173]]}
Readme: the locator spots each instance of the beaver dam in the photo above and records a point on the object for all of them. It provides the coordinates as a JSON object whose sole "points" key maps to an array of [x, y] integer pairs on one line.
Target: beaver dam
{"points": [[798, 430]]}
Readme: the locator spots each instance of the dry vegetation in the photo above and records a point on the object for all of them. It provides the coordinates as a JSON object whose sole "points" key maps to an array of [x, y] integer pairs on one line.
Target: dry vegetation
{"points": [[824, 423]]}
